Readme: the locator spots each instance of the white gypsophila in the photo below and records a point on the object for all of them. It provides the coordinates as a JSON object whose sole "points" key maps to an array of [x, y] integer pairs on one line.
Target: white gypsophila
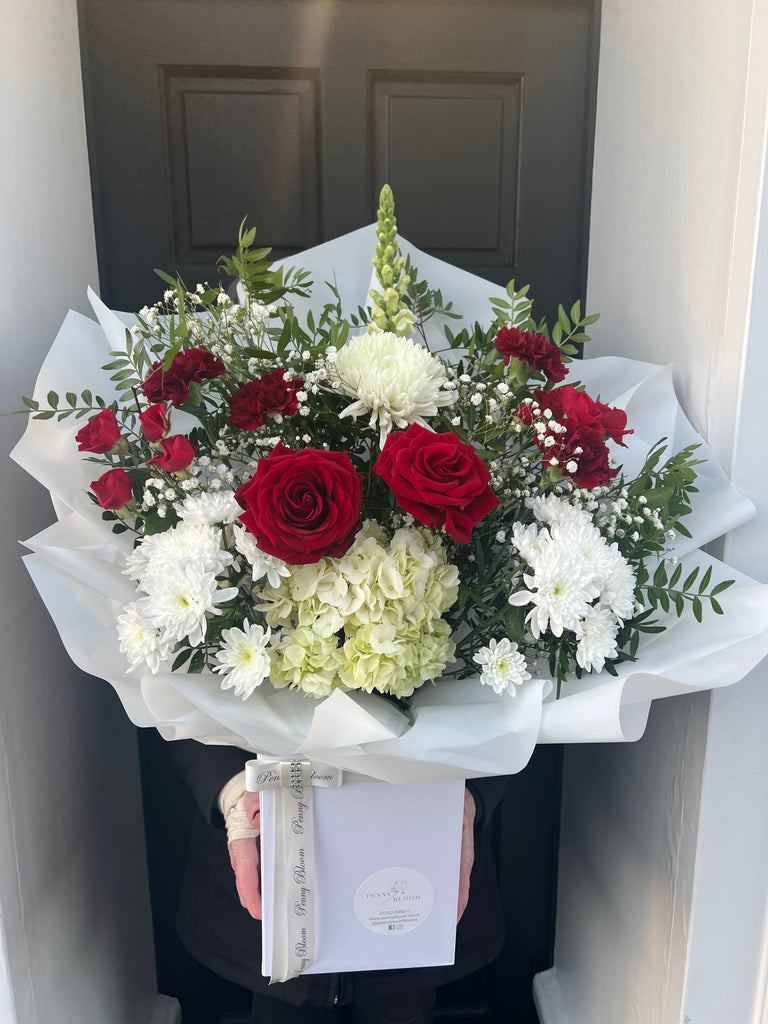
{"points": [[597, 640], [561, 587], [140, 641], [180, 600], [503, 666], [392, 378], [261, 563], [243, 658], [208, 508], [196, 545]]}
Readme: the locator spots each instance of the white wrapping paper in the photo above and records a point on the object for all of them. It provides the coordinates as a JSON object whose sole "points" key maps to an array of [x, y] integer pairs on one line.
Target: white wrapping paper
{"points": [[456, 728]]}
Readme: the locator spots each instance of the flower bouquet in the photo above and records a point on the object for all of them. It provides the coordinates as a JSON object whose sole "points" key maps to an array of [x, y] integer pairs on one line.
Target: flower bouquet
{"points": [[290, 520], [378, 517]]}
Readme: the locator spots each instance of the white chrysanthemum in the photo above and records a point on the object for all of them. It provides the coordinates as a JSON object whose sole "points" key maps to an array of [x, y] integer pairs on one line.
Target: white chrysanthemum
{"points": [[393, 379], [584, 543], [140, 641], [617, 587], [559, 588], [243, 658], [196, 545], [209, 507], [503, 666], [179, 602], [550, 509], [528, 541], [262, 564], [597, 640]]}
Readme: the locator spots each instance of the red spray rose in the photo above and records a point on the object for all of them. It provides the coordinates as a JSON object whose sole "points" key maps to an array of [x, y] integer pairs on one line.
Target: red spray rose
{"points": [[154, 422], [190, 365], [438, 479], [534, 350], [302, 505], [100, 434], [252, 403], [114, 489], [588, 424], [178, 452]]}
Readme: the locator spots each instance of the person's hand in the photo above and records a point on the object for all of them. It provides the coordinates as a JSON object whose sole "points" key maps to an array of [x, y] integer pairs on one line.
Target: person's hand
{"points": [[244, 858], [467, 857]]}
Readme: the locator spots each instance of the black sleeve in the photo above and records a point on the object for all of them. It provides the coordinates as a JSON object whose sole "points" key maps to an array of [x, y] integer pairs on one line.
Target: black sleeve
{"points": [[206, 768], [487, 794]]}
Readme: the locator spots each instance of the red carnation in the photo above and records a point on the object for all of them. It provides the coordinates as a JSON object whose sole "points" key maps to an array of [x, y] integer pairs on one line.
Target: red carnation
{"points": [[190, 365], [114, 489], [438, 479], [267, 396], [579, 452], [178, 452], [100, 434], [538, 355], [154, 422], [302, 505]]}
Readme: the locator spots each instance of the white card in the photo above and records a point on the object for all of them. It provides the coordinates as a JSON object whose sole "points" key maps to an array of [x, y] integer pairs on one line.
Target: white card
{"points": [[386, 875]]}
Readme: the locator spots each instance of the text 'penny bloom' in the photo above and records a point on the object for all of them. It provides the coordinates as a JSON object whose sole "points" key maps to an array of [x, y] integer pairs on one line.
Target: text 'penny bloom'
{"points": [[302, 505]]}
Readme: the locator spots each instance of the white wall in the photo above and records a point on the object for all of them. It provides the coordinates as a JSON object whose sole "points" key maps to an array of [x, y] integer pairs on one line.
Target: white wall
{"points": [[76, 942], [648, 929]]}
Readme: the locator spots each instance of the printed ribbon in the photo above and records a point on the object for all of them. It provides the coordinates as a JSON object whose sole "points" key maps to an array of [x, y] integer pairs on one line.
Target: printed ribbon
{"points": [[293, 929]]}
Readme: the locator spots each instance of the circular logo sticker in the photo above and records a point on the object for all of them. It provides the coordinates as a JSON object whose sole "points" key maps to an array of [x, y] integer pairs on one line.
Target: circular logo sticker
{"points": [[394, 901]]}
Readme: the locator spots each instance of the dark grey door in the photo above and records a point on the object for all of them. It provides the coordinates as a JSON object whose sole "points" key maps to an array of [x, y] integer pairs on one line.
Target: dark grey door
{"points": [[294, 113]]}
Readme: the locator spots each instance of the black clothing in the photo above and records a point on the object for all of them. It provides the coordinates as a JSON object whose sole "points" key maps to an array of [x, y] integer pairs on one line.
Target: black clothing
{"points": [[417, 1007], [223, 936]]}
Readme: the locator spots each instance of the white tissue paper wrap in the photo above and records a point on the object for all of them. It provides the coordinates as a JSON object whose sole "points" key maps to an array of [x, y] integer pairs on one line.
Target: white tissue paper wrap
{"points": [[456, 729]]}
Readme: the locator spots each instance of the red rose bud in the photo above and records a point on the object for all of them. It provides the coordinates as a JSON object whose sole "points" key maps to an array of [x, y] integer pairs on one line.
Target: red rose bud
{"points": [[178, 452], [439, 479], [533, 351], [113, 490], [155, 423], [190, 365], [100, 434], [271, 394], [302, 505]]}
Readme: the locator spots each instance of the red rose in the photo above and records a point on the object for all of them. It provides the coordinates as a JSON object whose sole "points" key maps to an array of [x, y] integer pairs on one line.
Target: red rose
{"points": [[114, 489], [154, 422], [189, 365], [100, 434], [438, 479], [532, 349], [178, 452], [302, 505], [271, 394]]}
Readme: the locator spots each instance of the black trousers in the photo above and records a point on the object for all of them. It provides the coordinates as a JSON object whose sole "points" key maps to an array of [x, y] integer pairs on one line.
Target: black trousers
{"points": [[417, 1007]]}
